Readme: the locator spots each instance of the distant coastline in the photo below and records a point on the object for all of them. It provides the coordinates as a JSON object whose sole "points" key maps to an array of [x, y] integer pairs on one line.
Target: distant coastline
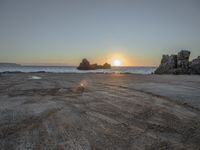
{"points": [[9, 65]]}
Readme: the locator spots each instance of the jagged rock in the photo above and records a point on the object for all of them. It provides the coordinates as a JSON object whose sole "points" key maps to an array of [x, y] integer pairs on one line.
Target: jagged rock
{"points": [[85, 65], [168, 65], [179, 64], [183, 61], [195, 66]]}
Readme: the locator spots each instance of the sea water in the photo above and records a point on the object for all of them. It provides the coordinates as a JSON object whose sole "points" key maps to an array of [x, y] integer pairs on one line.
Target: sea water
{"points": [[72, 69]]}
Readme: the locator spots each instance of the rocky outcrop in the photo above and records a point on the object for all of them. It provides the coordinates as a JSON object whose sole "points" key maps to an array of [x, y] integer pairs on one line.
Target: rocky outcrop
{"points": [[195, 66], [168, 63], [85, 65], [106, 66], [183, 62], [179, 64]]}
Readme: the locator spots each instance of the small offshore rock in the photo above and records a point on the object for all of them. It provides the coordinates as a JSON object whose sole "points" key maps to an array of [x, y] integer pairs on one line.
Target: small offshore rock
{"points": [[85, 65]]}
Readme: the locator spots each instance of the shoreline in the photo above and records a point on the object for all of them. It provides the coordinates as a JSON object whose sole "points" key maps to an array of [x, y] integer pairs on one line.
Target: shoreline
{"points": [[80, 72], [140, 70], [91, 72]]}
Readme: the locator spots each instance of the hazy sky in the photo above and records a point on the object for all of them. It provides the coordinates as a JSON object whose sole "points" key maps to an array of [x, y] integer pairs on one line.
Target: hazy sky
{"points": [[65, 31]]}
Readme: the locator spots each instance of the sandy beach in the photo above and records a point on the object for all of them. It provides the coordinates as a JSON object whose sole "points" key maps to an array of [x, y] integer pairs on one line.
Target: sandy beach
{"points": [[99, 111]]}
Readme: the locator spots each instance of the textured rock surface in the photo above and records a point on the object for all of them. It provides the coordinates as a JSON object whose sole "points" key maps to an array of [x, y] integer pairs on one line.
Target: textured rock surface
{"points": [[179, 64], [168, 64], [85, 65], [99, 112], [195, 66], [183, 61]]}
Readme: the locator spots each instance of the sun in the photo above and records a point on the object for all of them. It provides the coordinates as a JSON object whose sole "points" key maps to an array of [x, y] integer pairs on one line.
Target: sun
{"points": [[117, 63]]}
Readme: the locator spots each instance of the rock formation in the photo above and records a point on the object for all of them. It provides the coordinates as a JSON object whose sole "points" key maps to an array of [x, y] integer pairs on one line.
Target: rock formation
{"points": [[106, 66], [179, 64], [85, 65], [168, 63], [183, 62], [195, 66]]}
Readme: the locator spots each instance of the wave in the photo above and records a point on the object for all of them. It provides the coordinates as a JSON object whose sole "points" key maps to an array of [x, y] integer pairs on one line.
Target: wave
{"points": [[71, 69]]}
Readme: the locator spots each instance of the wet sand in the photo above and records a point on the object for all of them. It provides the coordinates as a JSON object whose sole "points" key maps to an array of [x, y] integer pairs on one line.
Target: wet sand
{"points": [[99, 111]]}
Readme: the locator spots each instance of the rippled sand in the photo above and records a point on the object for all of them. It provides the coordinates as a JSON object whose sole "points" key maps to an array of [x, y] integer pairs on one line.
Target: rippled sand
{"points": [[99, 111]]}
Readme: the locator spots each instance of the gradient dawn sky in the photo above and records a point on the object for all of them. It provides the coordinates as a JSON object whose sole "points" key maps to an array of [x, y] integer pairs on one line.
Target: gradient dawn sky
{"points": [[62, 32]]}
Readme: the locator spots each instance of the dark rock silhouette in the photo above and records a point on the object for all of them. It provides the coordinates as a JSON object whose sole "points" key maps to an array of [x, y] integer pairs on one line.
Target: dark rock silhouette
{"points": [[183, 62], [85, 65], [168, 63], [9, 64], [106, 66], [179, 64], [93, 66], [195, 66]]}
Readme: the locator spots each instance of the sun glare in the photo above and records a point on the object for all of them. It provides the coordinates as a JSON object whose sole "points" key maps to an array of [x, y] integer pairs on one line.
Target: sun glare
{"points": [[117, 62]]}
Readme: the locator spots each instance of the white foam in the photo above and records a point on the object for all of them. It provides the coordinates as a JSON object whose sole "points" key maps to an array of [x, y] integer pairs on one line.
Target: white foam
{"points": [[68, 69]]}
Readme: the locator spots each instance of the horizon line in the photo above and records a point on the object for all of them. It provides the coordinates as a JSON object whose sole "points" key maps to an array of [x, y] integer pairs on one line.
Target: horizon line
{"points": [[65, 65]]}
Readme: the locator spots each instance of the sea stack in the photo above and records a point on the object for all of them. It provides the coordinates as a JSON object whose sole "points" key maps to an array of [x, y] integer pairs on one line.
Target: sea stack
{"points": [[85, 65], [179, 64]]}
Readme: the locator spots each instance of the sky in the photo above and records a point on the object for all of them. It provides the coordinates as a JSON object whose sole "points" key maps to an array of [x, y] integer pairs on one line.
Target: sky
{"points": [[62, 32]]}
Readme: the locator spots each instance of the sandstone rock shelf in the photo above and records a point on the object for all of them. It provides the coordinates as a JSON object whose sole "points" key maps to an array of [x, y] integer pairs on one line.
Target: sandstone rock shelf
{"points": [[99, 112]]}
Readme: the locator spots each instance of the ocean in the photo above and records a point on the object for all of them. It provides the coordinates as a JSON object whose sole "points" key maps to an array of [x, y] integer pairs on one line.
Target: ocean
{"points": [[72, 69]]}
